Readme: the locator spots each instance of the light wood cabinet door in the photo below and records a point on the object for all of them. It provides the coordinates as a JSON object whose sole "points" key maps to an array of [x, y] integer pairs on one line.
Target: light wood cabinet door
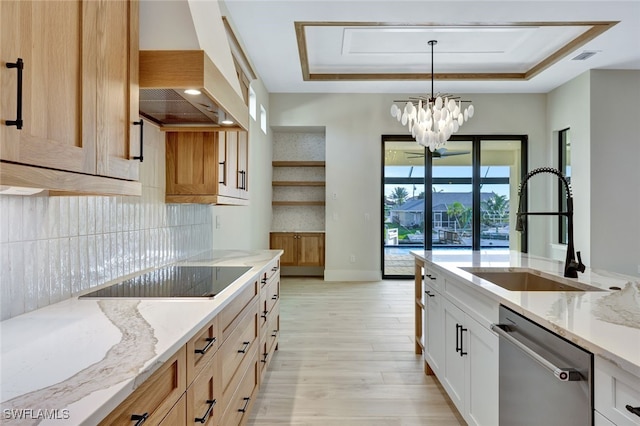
{"points": [[115, 66], [285, 241], [79, 85], [58, 129], [202, 168], [311, 249]]}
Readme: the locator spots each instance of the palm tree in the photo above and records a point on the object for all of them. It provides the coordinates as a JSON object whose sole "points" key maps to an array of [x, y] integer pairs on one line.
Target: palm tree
{"points": [[495, 211], [460, 213], [399, 195]]}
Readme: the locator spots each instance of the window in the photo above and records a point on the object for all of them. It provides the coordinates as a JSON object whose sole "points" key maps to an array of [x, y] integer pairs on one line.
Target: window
{"points": [[252, 103], [464, 196], [564, 160], [263, 119]]}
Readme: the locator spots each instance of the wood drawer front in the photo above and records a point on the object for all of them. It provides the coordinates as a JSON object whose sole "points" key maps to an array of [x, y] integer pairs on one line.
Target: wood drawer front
{"points": [[201, 348], [237, 347], [273, 328], [270, 272], [205, 389], [156, 396], [269, 296], [229, 317], [240, 398], [615, 389], [178, 414]]}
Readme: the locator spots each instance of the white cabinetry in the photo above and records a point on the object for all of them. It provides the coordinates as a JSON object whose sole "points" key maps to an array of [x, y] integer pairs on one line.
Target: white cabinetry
{"points": [[615, 389], [460, 348]]}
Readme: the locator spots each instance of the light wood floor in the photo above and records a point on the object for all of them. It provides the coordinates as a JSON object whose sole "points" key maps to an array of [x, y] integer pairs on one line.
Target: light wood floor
{"points": [[346, 357]]}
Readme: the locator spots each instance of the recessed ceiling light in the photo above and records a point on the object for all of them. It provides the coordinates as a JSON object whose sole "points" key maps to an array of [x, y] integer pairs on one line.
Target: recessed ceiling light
{"points": [[226, 122], [192, 92]]}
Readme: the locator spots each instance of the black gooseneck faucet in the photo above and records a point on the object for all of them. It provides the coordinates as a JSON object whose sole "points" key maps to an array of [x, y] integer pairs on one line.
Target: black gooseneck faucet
{"points": [[571, 266]]}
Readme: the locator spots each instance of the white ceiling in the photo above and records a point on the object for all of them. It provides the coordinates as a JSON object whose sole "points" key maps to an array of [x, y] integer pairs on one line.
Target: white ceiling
{"points": [[490, 39]]}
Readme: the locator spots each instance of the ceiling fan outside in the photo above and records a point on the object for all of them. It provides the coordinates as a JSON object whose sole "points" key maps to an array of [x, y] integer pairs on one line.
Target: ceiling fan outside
{"points": [[438, 153]]}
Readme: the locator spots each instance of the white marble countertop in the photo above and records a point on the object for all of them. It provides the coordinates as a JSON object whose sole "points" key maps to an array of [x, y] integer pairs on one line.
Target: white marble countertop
{"points": [[606, 323], [83, 357]]}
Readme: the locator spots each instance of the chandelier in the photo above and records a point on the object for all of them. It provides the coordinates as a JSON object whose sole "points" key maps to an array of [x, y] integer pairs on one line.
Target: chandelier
{"points": [[432, 120]]}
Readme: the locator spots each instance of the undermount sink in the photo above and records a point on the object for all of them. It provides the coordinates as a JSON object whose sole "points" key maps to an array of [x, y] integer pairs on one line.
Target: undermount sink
{"points": [[527, 280]]}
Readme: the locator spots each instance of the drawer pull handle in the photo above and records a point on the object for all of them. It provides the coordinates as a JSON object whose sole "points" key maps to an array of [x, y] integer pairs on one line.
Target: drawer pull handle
{"points": [[210, 342], [264, 314], [458, 348], [264, 357], [462, 352], [246, 404], [139, 418], [244, 349], [274, 297], [263, 280], [428, 293], [203, 419], [634, 410], [141, 124], [19, 66], [274, 269], [275, 333], [431, 277]]}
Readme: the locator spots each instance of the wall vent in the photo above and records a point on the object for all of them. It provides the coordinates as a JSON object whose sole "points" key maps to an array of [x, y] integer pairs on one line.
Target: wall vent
{"points": [[585, 55]]}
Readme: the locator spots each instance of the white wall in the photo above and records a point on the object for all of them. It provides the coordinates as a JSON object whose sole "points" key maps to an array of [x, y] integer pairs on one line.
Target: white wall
{"points": [[244, 227], [615, 171], [354, 124]]}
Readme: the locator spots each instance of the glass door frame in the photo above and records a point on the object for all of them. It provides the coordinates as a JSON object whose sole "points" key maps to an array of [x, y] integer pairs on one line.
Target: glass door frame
{"points": [[476, 181]]}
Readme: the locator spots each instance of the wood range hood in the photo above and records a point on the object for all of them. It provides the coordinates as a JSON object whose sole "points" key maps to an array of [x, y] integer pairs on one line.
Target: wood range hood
{"points": [[164, 77]]}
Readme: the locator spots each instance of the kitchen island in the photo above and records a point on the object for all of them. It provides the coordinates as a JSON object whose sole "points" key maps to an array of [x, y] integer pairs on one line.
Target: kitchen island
{"points": [[605, 321], [75, 361]]}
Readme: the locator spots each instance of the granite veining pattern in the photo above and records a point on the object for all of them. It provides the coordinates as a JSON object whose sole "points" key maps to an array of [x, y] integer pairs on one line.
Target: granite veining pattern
{"points": [[605, 322], [85, 356]]}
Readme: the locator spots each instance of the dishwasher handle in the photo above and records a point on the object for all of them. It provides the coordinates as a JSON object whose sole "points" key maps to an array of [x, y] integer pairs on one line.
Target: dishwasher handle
{"points": [[562, 374]]}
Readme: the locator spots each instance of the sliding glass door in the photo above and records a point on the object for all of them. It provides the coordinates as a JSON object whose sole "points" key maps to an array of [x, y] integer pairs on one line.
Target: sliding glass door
{"points": [[460, 197]]}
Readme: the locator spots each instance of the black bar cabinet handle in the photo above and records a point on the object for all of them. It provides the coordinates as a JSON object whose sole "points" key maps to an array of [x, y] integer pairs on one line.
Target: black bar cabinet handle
{"points": [[224, 172], [274, 297], [244, 349], [141, 124], [139, 418], [264, 357], [634, 410], [458, 349], [428, 293], [210, 341], [19, 66], [275, 333], [246, 404], [264, 314], [203, 419], [462, 352]]}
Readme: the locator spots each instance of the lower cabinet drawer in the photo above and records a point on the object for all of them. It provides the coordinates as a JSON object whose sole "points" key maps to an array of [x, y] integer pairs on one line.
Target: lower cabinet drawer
{"points": [[237, 347], [201, 347], [615, 389], [242, 396], [269, 296], [178, 414], [155, 397], [231, 314], [204, 396]]}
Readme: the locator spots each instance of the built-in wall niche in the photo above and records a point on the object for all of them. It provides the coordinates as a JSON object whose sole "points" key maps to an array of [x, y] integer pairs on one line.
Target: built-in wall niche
{"points": [[298, 180]]}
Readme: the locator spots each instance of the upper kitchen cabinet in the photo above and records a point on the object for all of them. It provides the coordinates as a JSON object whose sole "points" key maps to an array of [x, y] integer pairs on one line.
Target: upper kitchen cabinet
{"points": [[69, 101], [207, 167]]}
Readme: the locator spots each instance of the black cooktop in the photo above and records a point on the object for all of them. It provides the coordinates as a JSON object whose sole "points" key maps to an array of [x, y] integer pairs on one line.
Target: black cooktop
{"points": [[174, 281]]}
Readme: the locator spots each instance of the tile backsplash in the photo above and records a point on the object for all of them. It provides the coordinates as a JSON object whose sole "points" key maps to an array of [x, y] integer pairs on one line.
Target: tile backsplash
{"points": [[52, 248]]}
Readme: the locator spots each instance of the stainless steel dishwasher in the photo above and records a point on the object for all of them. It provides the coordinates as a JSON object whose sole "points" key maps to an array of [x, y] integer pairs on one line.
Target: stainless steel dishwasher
{"points": [[544, 379]]}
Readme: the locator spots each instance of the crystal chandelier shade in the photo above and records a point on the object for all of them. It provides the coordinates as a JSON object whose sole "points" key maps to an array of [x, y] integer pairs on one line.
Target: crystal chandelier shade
{"points": [[433, 120]]}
